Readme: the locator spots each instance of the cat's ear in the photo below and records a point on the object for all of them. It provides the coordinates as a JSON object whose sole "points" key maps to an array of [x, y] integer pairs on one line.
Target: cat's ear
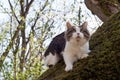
{"points": [[68, 25], [84, 25]]}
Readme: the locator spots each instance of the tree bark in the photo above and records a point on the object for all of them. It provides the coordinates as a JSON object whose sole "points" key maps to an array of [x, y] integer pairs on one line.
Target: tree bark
{"points": [[103, 8]]}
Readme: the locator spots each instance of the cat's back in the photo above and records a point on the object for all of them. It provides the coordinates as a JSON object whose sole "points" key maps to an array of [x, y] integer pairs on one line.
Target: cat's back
{"points": [[57, 45]]}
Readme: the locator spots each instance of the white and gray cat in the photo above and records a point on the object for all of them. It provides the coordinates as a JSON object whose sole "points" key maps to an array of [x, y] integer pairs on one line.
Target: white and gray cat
{"points": [[71, 45]]}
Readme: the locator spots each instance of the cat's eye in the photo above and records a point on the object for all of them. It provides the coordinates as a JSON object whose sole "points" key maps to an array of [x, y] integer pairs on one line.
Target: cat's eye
{"points": [[72, 29], [85, 32], [81, 30]]}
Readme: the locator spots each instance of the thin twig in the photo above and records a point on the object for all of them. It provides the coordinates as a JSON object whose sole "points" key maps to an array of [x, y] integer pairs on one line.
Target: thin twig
{"points": [[13, 12]]}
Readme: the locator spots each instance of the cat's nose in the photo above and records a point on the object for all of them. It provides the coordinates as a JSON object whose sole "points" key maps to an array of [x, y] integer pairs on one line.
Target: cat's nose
{"points": [[78, 34]]}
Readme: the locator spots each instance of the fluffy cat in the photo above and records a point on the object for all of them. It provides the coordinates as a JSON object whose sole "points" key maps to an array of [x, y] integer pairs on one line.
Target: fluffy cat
{"points": [[77, 46], [70, 46]]}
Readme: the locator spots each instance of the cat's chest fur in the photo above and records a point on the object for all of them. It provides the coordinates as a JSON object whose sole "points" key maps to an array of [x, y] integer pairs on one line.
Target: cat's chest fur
{"points": [[76, 49]]}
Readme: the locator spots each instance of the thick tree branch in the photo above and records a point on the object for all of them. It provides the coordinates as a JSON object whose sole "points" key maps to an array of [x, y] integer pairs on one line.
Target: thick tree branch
{"points": [[22, 58], [102, 8], [3, 56], [95, 9], [22, 8], [24, 12], [15, 51]]}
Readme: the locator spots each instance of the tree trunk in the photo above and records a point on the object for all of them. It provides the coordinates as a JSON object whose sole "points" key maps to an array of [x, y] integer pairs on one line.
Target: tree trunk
{"points": [[103, 8], [103, 62]]}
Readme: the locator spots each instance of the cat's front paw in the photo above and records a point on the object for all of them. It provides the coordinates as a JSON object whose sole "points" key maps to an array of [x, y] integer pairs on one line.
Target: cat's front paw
{"points": [[84, 56], [68, 68]]}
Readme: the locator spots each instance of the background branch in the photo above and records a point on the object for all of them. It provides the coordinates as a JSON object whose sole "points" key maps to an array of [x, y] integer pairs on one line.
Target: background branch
{"points": [[13, 12]]}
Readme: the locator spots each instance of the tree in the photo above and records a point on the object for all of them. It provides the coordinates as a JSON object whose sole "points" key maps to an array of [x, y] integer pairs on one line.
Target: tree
{"points": [[103, 9], [103, 62], [21, 35]]}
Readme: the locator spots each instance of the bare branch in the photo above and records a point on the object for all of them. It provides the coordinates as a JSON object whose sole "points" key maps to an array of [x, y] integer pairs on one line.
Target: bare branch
{"points": [[32, 27], [13, 11], [22, 7], [27, 54], [37, 17], [28, 7], [35, 22], [79, 13], [4, 10], [44, 6]]}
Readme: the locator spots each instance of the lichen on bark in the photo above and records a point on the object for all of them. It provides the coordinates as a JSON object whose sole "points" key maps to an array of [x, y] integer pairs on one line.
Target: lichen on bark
{"points": [[103, 62]]}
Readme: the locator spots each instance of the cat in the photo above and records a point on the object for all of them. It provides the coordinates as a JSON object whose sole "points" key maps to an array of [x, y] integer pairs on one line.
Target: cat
{"points": [[70, 46], [77, 46]]}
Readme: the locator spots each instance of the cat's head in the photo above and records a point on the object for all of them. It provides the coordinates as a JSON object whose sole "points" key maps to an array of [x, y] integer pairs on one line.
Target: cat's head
{"points": [[77, 33]]}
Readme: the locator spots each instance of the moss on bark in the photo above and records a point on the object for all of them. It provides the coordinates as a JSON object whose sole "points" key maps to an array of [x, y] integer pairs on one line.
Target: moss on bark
{"points": [[104, 6], [103, 62]]}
